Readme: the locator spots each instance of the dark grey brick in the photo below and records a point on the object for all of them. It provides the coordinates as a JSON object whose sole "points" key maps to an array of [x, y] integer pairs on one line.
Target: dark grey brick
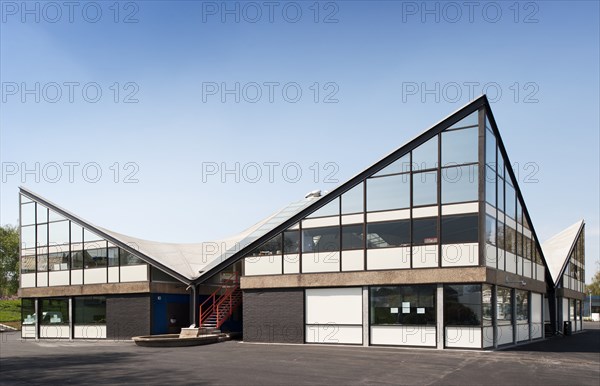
{"points": [[127, 316]]}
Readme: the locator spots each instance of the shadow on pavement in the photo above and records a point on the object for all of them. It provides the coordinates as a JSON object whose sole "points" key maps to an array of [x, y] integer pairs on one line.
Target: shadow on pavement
{"points": [[587, 341]]}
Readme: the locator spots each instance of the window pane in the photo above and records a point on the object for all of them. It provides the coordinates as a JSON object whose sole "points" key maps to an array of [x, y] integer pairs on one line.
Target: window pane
{"points": [[28, 237], [504, 301], [425, 188], [510, 202], [471, 120], [488, 313], [291, 241], [326, 239], [58, 261], [459, 184], [352, 200], [42, 235], [352, 237], [76, 233], [387, 193], [462, 305], [90, 310], [129, 259], [90, 236], [403, 305], [490, 230], [28, 214], [490, 150], [269, 248], [522, 306], [401, 165], [54, 311], [113, 256], [490, 186], [500, 194], [95, 258], [425, 231], [330, 209], [28, 261], [28, 311], [388, 234], [59, 232], [500, 234], [426, 155], [53, 216], [77, 259], [42, 213], [510, 242], [460, 146], [459, 229]]}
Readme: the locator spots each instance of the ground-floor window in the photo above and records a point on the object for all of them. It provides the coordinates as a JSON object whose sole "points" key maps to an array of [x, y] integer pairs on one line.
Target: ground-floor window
{"points": [[54, 311], [28, 311], [522, 305], [504, 307], [403, 305], [462, 305], [90, 310]]}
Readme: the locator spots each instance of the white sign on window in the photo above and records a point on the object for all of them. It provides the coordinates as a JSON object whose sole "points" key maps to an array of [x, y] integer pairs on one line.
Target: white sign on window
{"points": [[394, 310]]}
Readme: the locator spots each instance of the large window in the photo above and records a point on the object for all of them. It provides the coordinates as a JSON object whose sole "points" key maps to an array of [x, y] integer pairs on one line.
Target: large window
{"points": [[58, 261], [426, 155], [28, 311], [425, 188], [490, 186], [291, 241], [490, 150], [403, 305], [462, 305], [522, 305], [388, 234], [460, 146], [460, 229], [425, 231], [54, 311], [269, 248], [504, 306], [388, 193], [352, 237], [401, 165], [330, 209], [459, 184], [490, 230], [487, 304], [130, 259], [90, 310], [325, 239], [511, 240]]}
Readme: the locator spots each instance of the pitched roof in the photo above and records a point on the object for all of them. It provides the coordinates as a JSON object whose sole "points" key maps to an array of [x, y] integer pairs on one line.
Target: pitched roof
{"points": [[557, 249]]}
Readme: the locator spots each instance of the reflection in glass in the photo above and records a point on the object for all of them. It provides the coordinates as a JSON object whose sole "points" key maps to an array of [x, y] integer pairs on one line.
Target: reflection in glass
{"points": [[90, 310], [460, 184], [504, 306], [462, 305], [54, 311], [325, 239], [113, 256], [458, 229], [490, 230], [470, 120], [42, 214], [401, 165], [426, 155], [28, 237], [76, 233], [129, 259], [388, 193], [330, 209], [388, 234], [486, 298], [59, 232], [490, 150], [490, 186], [352, 200], [58, 261], [291, 242], [460, 147], [269, 248], [424, 231], [352, 237], [42, 235]]}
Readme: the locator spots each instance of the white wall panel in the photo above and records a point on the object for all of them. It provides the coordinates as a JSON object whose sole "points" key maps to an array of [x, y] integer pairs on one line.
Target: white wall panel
{"points": [[113, 274], [501, 259], [59, 278], [334, 334], [263, 265], [428, 211], [565, 310], [519, 265], [353, 219], [540, 272], [291, 263], [465, 337], [490, 255], [490, 210], [470, 207], [536, 307], [90, 331], [353, 260], [425, 256], [402, 214], [511, 263], [131, 273], [388, 258], [460, 255], [522, 332], [488, 337], [27, 280], [50, 331], [404, 335], [42, 279], [28, 331], [94, 276], [527, 268], [320, 222], [76, 277], [321, 262], [334, 305], [505, 334]]}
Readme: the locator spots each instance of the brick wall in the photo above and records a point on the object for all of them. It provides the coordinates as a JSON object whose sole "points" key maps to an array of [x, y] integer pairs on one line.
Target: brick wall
{"points": [[127, 316], [274, 316]]}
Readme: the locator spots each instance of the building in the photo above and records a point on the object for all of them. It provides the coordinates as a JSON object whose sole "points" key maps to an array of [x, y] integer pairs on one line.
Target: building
{"points": [[432, 246]]}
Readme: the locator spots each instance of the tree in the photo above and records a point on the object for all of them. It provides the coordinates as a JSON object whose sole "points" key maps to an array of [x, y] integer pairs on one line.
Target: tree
{"points": [[9, 260], [595, 286]]}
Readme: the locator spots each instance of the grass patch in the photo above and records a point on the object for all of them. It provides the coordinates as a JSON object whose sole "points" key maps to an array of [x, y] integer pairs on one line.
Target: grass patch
{"points": [[10, 311]]}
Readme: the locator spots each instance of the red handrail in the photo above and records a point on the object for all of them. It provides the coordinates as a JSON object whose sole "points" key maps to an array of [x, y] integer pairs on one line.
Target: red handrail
{"points": [[211, 304]]}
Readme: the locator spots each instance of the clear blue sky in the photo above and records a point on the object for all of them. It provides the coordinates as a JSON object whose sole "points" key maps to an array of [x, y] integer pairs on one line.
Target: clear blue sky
{"points": [[374, 60]]}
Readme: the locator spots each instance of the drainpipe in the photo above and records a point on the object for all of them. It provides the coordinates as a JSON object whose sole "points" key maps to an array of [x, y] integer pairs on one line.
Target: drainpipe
{"points": [[552, 309], [194, 304]]}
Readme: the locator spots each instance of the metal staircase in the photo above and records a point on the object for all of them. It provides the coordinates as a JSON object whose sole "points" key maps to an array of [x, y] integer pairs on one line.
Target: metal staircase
{"points": [[219, 306]]}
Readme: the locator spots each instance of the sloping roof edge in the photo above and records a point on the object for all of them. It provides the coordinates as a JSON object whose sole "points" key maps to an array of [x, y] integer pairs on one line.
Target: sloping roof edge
{"points": [[559, 247]]}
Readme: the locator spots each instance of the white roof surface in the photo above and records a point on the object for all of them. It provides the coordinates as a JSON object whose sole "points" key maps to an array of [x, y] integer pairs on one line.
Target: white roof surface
{"points": [[556, 249]]}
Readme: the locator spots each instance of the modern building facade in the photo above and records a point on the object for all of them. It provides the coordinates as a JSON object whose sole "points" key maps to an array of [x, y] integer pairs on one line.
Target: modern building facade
{"points": [[432, 246]]}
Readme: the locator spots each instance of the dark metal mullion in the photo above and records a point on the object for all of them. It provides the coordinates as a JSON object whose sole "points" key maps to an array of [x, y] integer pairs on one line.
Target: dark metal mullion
{"points": [[481, 189], [365, 253], [410, 209], [47, 248], [300, 247], [439, 200], [107, 266], [70, 254], [340, 248]]}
